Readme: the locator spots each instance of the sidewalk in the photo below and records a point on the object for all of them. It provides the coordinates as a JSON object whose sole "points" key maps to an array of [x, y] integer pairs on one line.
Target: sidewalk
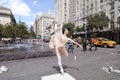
{"points": [[88, 66]]}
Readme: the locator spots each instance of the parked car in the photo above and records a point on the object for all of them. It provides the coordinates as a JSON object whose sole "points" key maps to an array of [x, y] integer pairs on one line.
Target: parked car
{"points": [[103, 42]]}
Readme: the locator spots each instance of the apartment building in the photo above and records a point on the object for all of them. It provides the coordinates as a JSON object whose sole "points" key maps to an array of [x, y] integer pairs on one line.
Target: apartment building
{"points": [[62, 10], [114, 13], [91, 7], [79, 10], [42, 24], [6, 16]]}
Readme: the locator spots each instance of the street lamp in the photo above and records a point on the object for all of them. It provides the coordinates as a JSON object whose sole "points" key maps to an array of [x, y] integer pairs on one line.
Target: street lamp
{"points": [[85, 29]]}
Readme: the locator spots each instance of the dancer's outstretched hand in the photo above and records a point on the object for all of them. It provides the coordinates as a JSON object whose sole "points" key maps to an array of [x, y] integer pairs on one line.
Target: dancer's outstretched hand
{"points": [[80, 46]]}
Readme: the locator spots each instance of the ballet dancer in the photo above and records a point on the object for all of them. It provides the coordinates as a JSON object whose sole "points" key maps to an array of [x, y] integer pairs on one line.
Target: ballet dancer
{"points": [[57, 42]]}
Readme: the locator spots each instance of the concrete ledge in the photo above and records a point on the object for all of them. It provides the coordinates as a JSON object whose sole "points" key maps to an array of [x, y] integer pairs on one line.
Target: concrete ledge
{"points": [[8, 55]]}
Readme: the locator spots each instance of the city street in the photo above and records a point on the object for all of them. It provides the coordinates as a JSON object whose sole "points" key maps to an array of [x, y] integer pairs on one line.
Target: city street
{"points": [[87, 66], [28, 26]]}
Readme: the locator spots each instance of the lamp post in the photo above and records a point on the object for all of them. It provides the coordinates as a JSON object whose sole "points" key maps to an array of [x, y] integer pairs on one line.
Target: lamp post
{"points": [[42, 34], [85, 29]]}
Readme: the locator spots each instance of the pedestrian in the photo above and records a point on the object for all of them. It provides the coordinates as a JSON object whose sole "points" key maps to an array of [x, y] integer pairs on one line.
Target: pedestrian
{"points": [[70, 46], [95, 44], [90, 44], [84, 44], [57, 43]]}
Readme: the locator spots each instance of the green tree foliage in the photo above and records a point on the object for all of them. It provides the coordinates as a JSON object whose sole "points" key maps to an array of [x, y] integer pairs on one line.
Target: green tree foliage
{"points": [[32, 34], [22, 30], [7, 30], [70, 27], [13, 31], [97, 21], [1, 30], [78, 29]]}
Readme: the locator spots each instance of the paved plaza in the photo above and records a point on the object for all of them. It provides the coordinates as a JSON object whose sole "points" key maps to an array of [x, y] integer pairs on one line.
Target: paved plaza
{"points": [[87, 66]]}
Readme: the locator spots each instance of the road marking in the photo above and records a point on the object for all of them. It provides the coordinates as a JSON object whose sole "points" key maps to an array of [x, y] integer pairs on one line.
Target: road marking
{"points": [[59, 76], [75, 58]]}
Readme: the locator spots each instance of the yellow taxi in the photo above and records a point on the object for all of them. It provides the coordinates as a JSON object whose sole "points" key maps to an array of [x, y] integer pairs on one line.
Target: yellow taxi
{"points": [[103, 42]]}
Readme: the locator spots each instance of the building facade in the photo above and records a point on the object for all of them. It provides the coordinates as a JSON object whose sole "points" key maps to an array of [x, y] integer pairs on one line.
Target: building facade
{"points": [[62, 11], [42, 25], [72, 11], [79, 10], [91, 7], [114, 13], [6, 16]]}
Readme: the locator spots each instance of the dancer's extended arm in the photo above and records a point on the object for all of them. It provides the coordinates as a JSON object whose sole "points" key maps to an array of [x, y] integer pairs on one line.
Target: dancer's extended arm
{"points": [[75, 42]]}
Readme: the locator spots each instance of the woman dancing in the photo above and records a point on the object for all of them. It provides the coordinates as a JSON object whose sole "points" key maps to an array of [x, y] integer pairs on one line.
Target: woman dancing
{"points": [[57, 43]]}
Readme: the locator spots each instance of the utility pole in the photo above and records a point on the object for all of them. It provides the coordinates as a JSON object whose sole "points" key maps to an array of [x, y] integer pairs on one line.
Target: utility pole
{"points": [[85, 29]]}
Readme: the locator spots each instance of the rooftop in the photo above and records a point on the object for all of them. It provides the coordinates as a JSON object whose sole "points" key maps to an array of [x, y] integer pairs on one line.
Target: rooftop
{"points": [[5, 11]]}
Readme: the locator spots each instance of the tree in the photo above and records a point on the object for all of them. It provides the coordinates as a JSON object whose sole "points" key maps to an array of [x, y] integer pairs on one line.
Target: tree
{"points": [[22, 30], [78, 29], [32, 34], [104, 21], [97, 21], [8, 30], [1, 31], [15, 30], [70, 27], [93, 22]]}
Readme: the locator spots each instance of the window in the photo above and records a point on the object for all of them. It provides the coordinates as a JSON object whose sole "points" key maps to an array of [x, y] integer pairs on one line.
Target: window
{"points": [[112, 25], [83, 11], [101, 6], [95, 2], [65, 14], [101, 1], [112, 15], [87, 10], [65, 4], [83, 5], [83, 1], [91, 6], [112, 5], [96, 9]]}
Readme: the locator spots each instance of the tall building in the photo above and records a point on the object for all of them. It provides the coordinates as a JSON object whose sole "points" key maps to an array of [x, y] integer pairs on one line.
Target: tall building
{"points": [[42, 24], [72, 11], [91, 7], [114, 12], [62, 10], [79, 10], [6, 16]]}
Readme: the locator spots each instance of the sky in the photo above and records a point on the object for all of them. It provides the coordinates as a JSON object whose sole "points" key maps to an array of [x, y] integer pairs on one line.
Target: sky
{"points": [[26, 10]]}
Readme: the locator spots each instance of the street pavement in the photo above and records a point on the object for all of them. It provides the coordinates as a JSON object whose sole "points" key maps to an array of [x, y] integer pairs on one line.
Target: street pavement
{"points": [[87, 66]]}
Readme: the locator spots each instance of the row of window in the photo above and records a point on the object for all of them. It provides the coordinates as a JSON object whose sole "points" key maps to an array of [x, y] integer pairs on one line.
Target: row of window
{"points": [[101, 1]]}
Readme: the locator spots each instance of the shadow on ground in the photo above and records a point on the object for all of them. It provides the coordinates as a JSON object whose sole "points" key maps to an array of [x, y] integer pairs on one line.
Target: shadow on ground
{"points": [[64, 67]]}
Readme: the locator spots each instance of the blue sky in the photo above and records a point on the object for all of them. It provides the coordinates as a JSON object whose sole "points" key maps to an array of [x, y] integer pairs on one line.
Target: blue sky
{"points": [[28, 9]]}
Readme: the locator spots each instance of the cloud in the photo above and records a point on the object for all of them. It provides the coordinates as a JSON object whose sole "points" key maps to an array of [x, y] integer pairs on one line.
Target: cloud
{"points": [[18, 7], [35, 2]]}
